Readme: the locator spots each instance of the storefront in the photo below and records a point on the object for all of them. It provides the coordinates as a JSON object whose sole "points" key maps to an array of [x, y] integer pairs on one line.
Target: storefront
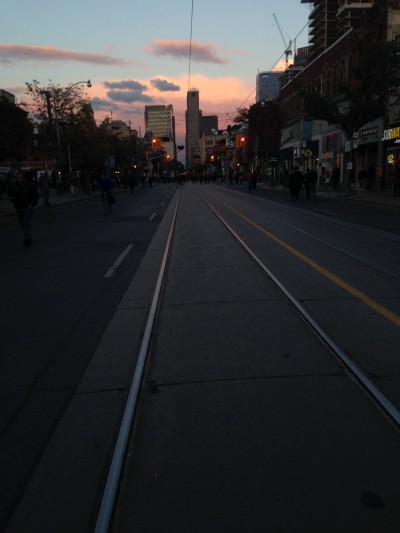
{"points": [[391, 151]]}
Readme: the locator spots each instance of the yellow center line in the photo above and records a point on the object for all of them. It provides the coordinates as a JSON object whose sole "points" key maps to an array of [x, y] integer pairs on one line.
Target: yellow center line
{"points": [[393, 317]]}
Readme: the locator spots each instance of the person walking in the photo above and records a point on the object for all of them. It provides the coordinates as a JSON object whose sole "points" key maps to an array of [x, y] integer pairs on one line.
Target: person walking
{"points": [[335, 177], [307, 184], [44, 182], [295, 182], [312, 183], [24, 196], [396, 179], [249, 177]]}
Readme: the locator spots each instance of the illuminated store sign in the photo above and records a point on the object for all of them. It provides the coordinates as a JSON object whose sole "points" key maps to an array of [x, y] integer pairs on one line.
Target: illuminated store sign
{"points": [[391, 133]]}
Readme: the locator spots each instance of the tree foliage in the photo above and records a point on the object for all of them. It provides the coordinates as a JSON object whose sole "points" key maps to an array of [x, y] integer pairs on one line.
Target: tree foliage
{"points": [[263, 120], [16, 131]]}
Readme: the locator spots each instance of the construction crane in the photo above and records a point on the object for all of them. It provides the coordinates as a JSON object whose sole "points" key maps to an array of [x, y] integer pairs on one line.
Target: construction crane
{"points": [[288, 47]]}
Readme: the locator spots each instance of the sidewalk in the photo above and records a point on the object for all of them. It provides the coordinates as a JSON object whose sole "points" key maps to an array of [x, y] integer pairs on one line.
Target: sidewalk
{"points": [[384, 198], [7, 208]]}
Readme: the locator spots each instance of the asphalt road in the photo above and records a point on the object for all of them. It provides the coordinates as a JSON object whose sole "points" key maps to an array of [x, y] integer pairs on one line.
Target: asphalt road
{"points": [[374, 215], [57, 298]]}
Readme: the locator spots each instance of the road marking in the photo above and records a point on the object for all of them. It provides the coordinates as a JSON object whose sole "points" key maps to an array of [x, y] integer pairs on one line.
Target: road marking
{"points": [[325, 212], [110, 272], [152, 217], [393, 317]]}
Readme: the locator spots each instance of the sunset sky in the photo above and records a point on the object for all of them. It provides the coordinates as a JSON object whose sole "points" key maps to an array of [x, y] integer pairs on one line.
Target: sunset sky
{"points": [[136, 53]]}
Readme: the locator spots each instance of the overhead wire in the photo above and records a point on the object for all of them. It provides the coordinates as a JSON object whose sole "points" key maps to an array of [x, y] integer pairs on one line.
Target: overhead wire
{"points": [[270, 70], [190, 44]]}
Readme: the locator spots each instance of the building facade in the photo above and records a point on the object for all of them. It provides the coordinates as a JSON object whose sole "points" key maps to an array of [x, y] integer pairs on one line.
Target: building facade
{"points": [[322, 26], [193, 127], [208, 124], [267, 85], [159, 119]]}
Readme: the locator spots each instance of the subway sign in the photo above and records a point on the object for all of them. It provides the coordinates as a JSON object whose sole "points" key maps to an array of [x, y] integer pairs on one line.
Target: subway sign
{"points": [[391, 134]]}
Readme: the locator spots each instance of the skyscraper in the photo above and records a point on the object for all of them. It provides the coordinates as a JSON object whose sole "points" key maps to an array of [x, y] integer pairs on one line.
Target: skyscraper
{"points": [[267, 85], [193, 115], [208, 123], [159, 119]]}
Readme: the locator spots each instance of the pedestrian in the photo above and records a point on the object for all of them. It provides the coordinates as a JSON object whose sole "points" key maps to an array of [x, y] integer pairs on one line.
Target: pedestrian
{"points": [[396, 179], [59, 183], [335, 177], [86, 183], [73, 184], [371, 177], [132, 182], [295, 181], [307, 184], [254, 179], [44, 182], [362, 177], [249, 180], [25, 196], [313, 177]]}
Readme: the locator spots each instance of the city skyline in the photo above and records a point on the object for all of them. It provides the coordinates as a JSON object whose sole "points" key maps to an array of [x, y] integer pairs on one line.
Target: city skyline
{"points": [[139, 58]]}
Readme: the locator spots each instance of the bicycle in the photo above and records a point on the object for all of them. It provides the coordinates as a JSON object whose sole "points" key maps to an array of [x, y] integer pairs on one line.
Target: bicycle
{"points": [[107, 202]]}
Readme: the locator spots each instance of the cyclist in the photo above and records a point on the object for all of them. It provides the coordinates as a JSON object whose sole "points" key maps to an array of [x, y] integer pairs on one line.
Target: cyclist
{"points": [[105, 184]]}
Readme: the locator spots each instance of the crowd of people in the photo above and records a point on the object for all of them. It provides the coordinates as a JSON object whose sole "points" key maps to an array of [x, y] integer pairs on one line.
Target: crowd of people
{"points": [[24, 189]]}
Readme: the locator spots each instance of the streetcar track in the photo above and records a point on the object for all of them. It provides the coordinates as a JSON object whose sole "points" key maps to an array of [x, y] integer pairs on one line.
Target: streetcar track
{"points": [[369, 266], [354, 370], [387, 313], [349, 367], [318, 214], [114, 474]]}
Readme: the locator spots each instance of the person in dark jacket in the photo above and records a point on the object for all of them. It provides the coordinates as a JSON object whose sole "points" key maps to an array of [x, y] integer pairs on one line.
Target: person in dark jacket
{"points": [[25, 196], [295, 182]]}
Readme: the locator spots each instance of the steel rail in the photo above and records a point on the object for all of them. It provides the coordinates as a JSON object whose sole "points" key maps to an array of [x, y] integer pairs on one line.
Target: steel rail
{"points": [[364, 381], [107, 504], [373, 268]]}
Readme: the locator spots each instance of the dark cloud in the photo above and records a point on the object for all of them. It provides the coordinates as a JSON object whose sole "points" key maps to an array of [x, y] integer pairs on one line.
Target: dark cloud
{"points": [[129, 96], [50, 53], [101, 104], [164, 85], [203, 53], [125, 84], [127, 91]]}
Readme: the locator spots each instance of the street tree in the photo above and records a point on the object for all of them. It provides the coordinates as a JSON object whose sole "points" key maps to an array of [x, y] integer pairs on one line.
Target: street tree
{"points": [[263, 121], [55, 113], [16, 132]]}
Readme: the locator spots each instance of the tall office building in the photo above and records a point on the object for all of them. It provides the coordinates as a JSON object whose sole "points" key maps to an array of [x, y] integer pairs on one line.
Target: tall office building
{"points": [[159, 119], [193, 125], [267, 85], [208, 124]]}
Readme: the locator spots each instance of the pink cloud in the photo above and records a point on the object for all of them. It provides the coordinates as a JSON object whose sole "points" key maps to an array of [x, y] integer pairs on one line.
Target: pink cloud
{"points": [[203, 53], [50, 53]]}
